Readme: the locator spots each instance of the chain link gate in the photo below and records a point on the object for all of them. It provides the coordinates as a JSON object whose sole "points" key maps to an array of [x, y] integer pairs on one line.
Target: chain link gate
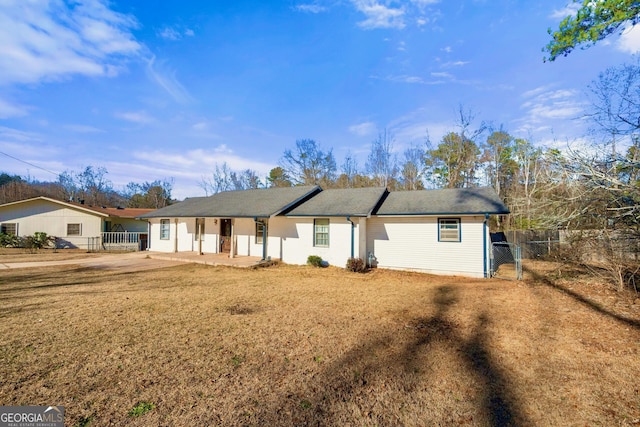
{"points": [[507, 261]]}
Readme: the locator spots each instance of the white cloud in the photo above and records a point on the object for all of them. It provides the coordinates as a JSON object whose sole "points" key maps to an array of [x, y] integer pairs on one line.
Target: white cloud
{"points": [[174, 33], [167, 80], [629, 40], [363, 129], [138, 117], [545, 107], [169, 33], [568, 10], [310, 8], [50, 40], [379, 15], [8, 110], [454, 64], [83, 129]]}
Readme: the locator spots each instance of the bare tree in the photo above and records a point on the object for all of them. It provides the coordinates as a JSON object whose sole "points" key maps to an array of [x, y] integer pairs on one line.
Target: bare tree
{"points": [[382, 164], [413, 167], [309, 164]]}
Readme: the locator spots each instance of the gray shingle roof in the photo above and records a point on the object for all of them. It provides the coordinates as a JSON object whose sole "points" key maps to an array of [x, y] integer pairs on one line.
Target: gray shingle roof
{"points": [[341, 202], [439, 202], [238, 204]]}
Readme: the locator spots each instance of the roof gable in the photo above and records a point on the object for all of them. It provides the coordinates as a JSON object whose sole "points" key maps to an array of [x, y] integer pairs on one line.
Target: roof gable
{"points": [[341, 202], [262, 203], [68, 205], [453, 201]]}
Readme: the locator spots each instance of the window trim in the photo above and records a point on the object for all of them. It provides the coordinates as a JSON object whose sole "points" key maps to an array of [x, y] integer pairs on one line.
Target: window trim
{"points": [[79, 233], [259, 233], [450, 221], [165, 227], [5, 224], [316, 232]]}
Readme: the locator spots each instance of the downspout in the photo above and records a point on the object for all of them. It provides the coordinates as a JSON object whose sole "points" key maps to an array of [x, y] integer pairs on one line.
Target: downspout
{"points": [[353, 226], [148, 248], [484, 244]]}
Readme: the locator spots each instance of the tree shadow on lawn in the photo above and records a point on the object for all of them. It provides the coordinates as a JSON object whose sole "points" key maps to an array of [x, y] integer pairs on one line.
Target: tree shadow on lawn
{"points": [[540, 278], [325, 397]]}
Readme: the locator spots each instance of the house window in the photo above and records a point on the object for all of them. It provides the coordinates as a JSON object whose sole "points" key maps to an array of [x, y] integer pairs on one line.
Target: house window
{"points": [[9, 228], [449, 229], [321, 232], [259, 232], [199, 229], [164, 229], [74, 229]]}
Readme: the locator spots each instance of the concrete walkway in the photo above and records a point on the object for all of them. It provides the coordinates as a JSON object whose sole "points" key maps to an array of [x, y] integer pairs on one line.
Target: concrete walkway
{"points": [[138, 261]]}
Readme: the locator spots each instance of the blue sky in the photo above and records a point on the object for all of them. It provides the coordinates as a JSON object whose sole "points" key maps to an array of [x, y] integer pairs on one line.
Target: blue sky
{"points": [[169, 89]]}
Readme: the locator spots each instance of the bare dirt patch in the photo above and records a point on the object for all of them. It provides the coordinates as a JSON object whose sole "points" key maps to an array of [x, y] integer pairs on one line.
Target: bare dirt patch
{"points": [[200, 345]]}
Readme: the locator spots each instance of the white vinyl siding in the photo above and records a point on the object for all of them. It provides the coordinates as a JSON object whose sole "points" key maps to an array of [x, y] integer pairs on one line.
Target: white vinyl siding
{"points": [[411, 243]]}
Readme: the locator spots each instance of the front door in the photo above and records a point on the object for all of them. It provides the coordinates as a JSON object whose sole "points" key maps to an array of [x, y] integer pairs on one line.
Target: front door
{"points": [[225, 235]]}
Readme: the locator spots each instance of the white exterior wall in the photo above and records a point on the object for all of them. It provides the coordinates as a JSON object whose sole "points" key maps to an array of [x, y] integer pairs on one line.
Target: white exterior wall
{"points": [[412, 244], [186, 235], [291, 240], [51, 218]]}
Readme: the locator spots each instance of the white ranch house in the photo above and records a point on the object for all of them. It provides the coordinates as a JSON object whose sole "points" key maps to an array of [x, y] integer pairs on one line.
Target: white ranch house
{"points": [[435, 231], [76, 225]]}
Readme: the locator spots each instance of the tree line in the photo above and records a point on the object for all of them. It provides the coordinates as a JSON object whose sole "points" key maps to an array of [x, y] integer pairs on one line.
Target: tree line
{"points": [[89, 186]]}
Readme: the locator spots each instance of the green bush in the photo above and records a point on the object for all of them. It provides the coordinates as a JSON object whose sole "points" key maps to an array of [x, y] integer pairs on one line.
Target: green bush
{"points": [[357, 265], [39, 240], [314, 260], [9, 241]]}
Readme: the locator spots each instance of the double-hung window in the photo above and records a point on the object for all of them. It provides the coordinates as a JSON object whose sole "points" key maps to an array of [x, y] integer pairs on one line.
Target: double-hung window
{"points": [[259, 232], [9, 228], [74, 229], [199, 229], [321, 232], [449, 230], [164, 229]]}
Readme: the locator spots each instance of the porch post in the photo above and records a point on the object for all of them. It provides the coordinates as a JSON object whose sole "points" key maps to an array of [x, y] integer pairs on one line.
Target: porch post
{"points": [[175, 237], [233, 243]]}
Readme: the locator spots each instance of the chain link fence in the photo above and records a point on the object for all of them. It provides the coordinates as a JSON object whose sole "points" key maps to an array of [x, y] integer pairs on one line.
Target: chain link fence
{"points": [[506, 261]]}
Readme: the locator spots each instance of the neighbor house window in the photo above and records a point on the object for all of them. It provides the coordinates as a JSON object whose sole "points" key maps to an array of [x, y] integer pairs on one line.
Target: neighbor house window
{"points": [[259, 233], [9, 228], [449, 229], [164, 229], [199, 229], [74, 229], [321, 232]]}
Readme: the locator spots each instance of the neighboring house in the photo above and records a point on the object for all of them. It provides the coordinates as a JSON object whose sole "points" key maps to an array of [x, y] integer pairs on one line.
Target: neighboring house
{"points": [[76, 225], [435, 231]]}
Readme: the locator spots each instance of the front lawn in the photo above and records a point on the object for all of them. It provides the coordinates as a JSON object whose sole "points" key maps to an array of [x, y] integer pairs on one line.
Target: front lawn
{"points": [[197, 345]]}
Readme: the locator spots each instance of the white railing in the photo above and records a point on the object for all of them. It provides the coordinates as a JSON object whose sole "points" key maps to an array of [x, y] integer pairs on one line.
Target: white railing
{"points": [[123, 240]]}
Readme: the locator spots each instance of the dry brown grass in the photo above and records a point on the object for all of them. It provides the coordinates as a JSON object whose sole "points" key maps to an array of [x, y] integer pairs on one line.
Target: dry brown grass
{"points": [[302, 346], [12, 255]]}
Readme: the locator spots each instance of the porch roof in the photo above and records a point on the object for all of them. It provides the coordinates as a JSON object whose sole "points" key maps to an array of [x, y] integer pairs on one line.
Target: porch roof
{"points": [[452, 201], [262, 203]]}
